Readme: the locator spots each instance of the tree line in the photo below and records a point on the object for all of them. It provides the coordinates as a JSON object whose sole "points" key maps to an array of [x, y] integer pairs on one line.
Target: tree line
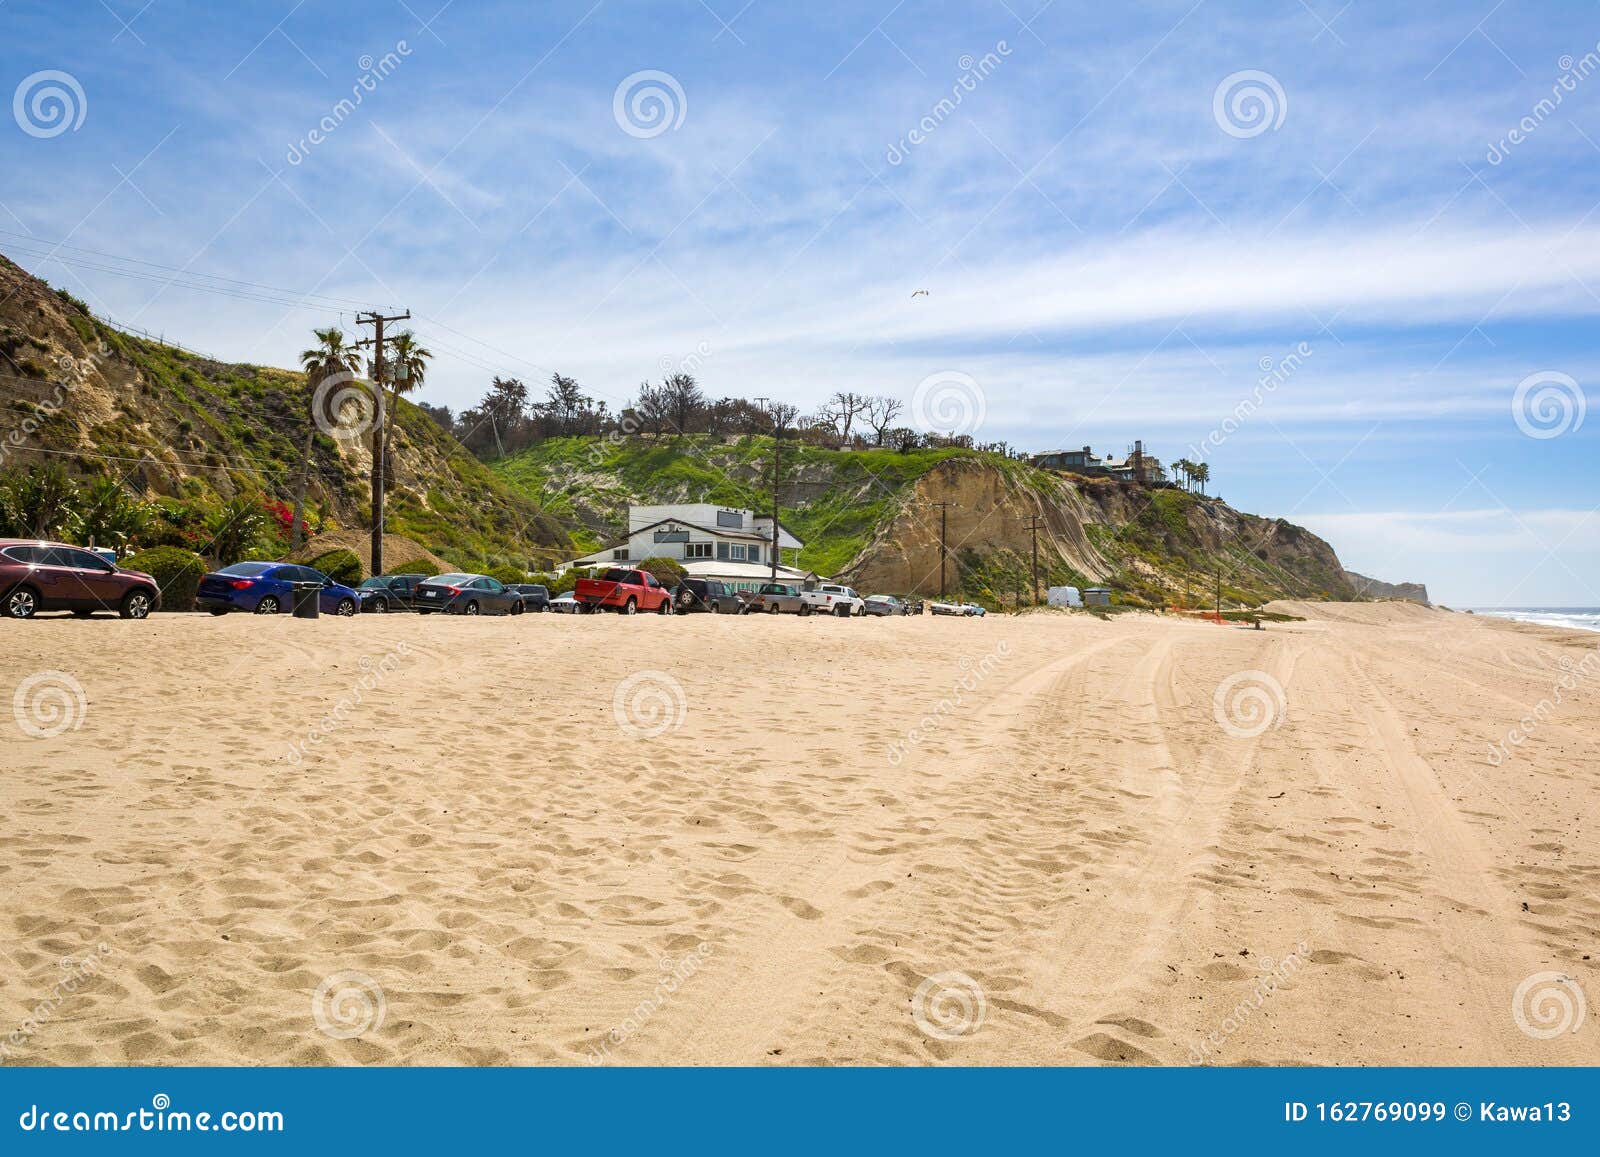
{"points": [[511, 417]]}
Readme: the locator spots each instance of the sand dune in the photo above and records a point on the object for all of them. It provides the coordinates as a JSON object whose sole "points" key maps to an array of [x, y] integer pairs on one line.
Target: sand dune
{"points": [[1045, 839]]}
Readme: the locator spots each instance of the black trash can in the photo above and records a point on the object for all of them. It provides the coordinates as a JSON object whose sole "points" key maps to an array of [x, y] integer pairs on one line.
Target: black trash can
{"points": [[305, 600]]}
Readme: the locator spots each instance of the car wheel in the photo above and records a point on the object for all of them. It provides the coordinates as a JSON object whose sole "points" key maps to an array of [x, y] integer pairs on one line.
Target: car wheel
{"points": [[772, 609], [268, 605], [136, 605], [346, 608], [716, 607], [380, 606], [517, 608], [666, 608], [22, 603], [631, 607], [470, 609], [805, 610]]}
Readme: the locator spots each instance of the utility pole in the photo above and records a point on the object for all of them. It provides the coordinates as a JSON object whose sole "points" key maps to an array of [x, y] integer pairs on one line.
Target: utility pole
{"points": [[376, 320], [1219, 594], [944, 508], [776, 451], [1034, 523]]}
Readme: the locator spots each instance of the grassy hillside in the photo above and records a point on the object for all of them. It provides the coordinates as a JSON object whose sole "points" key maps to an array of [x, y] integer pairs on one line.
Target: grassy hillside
{"points": [[191, 432], [833, 500]]}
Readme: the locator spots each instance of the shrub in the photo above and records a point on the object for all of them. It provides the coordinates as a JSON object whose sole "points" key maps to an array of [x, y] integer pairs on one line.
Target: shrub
{"points": [[507, 574], [415, 566], [176, 571], [669, 573], [341, 566]]}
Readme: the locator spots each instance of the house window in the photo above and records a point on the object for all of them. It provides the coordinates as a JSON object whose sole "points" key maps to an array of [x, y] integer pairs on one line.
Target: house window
{"points": [[697, 550], [754, 553], [619, 555], [737, 551]]}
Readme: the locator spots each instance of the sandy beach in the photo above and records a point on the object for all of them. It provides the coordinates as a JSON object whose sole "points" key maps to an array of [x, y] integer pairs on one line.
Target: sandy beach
{"points": [[1015, 840]]}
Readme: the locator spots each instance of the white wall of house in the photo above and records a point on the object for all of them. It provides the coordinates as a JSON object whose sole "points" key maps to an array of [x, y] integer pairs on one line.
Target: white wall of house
{"points": [[693, 532]]}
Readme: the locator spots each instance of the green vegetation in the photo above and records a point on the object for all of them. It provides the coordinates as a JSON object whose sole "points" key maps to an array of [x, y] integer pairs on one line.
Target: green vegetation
{"points": [[507, 574], [415, 566], [668, 572], [340, 565], [176, 571]]}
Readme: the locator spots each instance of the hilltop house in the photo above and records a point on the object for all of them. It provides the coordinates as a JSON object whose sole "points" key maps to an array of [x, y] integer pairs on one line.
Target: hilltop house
{"points": [[708, 541], [1136, 467]]}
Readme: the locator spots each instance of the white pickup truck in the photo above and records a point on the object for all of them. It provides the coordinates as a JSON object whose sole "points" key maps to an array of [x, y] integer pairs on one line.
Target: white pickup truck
{"points": [[834, 599]]}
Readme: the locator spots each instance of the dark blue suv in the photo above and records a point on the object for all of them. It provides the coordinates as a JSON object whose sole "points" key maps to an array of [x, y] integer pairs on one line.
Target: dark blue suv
{"points": [[266, 588]]}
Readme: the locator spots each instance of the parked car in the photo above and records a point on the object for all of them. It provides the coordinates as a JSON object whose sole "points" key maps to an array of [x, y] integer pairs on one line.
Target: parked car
{"points": [[565, 604], [390, 592], [839, 600], [964, 610], [886, 605], [467, 594], [625, 591], [52, 576], [267, 588], [974, 610], [534, 596], [710, 595], [781, 599]]}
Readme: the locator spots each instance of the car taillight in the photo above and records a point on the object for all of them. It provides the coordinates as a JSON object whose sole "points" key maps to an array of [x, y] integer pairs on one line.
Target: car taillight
{"points": [[240, 584], [453, 590]]}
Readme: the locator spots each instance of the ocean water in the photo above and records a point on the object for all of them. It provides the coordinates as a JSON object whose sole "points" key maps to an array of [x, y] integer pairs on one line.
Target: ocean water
{"points": [[1578, 618]]}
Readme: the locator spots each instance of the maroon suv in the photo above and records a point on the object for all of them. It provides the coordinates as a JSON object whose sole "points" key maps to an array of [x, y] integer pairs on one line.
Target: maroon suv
{"points": [[52, 576]]}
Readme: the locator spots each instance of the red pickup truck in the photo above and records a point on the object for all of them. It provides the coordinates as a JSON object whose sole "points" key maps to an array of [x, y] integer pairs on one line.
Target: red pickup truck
{"points": [[625, 591]]}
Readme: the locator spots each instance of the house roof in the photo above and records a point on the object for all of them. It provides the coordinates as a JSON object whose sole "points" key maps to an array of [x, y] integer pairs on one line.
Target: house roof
{"points": [[718, 531], [744, 571]]}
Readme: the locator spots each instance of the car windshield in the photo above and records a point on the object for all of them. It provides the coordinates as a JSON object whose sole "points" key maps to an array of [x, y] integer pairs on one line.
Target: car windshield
{"points": [[616, 575], [373, 584], [247, 569], [451, 580]]}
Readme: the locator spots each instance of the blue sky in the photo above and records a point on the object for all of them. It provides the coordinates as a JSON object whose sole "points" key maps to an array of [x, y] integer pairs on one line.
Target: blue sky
{"points": [[1112, 245]]}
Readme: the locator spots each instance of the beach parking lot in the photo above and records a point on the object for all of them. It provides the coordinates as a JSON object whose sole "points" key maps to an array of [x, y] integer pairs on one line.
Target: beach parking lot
{"points": [[1041, 839]]}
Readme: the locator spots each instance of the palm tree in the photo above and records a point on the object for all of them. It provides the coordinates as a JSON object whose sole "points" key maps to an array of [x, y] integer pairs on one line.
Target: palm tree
{"points": [[331, 355], [404, 351], [1202, 474], [1184, 469]]}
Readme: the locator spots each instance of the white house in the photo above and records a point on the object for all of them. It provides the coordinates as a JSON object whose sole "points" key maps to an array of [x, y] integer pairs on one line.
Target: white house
{"points": [[708, 541]]}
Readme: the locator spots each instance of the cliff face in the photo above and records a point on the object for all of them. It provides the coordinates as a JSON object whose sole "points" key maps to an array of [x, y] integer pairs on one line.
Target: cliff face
{"points": [[1371, 588], [1156, 546], [179, 426]]}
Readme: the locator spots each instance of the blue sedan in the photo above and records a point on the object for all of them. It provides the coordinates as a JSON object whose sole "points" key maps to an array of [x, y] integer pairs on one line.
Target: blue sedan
{"points": [[267, 588]]}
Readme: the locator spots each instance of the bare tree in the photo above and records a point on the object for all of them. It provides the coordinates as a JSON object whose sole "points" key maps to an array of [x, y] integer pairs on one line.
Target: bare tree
{"points": [[881, 413]]}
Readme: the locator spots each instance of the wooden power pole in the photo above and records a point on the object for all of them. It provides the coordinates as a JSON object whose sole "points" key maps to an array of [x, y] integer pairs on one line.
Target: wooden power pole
{"points": [[376, 320], [1034, 524], [944, 508]]}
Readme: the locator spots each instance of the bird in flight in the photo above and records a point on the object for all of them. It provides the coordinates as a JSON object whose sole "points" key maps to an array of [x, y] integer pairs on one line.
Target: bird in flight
{"points": [[920, 293]]}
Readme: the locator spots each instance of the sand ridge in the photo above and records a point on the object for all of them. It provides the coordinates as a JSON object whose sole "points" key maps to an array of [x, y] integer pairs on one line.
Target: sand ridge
{"points": [[1016, 840]]}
